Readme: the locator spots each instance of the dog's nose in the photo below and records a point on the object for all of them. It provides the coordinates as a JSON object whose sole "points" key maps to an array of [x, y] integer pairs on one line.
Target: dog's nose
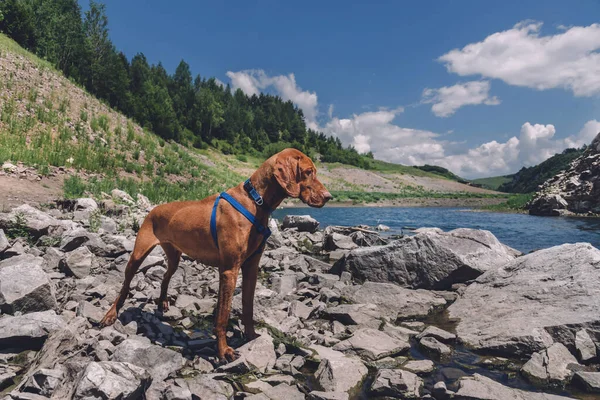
{"points": [[327, 196]]}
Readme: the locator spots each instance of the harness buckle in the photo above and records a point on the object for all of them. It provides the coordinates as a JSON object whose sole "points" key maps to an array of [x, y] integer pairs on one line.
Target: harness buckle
{"points": [[259, 201]]}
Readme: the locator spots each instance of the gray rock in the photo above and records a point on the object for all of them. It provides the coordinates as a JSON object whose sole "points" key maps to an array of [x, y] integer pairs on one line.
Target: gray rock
{"points": [[478, 387], [122, 196], [74, 239], [44, 381], [256, 355], [24, 286], [419, 367], [382, 228], [588, 381], [337, 241], [395, 301], [111, 380], [91, 312], [437, 333], [281, 391], [372, 344], [355, 314], [435, 347], [304, 223], [28, 331], [158, 361], [338, 372], [86, 204], [586, 348], [4, 243], [78, 263], [317, 395], [206, 387], [396, 383], [36, 222], [428, 260], [526, 305], [550, 366]]}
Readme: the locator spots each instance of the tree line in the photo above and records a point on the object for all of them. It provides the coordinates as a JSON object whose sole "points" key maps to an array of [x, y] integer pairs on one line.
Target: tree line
{"points": [[197, 111]]}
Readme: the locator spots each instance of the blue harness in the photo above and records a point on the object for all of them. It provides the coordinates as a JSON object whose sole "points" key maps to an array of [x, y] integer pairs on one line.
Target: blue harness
{"points": [[263, 230]]}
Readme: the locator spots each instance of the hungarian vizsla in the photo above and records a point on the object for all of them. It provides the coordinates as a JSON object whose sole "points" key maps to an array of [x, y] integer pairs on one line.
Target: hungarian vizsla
{"points": [[184, 227]]}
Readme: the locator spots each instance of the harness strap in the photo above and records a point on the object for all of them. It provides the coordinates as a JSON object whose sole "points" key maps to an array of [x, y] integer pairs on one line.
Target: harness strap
{"points": [[263, 230]]}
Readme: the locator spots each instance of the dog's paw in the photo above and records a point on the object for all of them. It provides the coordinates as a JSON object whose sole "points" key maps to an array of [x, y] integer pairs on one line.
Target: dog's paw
{"points": [[109, 318], [229, 355], [163, 305]]}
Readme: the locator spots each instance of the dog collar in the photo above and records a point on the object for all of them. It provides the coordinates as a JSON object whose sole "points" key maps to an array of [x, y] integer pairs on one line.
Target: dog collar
{"points": [[258, 199]]}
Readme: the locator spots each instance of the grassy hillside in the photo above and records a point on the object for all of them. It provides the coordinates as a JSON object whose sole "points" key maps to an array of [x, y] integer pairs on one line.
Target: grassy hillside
{"points": [[529, 178], [50, 123], [494, 182]]}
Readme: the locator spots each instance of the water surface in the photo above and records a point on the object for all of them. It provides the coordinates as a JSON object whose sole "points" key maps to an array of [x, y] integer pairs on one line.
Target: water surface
{"points": [[520, 231]]}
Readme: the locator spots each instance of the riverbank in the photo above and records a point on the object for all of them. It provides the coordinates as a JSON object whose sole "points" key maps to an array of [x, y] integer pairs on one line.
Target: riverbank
{"points": [[345, 313], [410, 202]]}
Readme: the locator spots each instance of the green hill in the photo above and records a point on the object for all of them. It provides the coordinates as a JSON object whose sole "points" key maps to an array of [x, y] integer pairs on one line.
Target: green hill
{"points": [[494, 182], [110, 122], [529, 178]]}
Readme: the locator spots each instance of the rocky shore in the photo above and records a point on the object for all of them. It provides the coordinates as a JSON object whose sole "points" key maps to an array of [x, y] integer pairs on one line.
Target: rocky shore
{"points": [[345, 313], [575, 191]]}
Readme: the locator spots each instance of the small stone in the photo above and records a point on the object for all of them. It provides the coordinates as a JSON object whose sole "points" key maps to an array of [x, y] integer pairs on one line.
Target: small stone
{"points": [[435, 347], [437, 333], [419, 367], [586, 349]]}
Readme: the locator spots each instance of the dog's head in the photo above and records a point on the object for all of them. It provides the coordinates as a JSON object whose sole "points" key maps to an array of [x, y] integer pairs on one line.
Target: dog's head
{"points": [[297, 175]]}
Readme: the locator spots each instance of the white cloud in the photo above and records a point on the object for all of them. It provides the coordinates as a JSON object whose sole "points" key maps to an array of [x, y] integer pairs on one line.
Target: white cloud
{"points": [[446, 100], [374, 131], [219, 82], [253, 81], [522, 57], [330, 111]]}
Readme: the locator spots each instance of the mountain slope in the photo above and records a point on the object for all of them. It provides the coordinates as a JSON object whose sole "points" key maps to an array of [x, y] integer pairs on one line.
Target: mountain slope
{"points": [[59, 131], [528, 179], [576, 190], [494, 182]]}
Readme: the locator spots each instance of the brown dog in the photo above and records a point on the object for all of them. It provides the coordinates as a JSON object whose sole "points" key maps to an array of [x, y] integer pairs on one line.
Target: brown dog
{"points": [[184, 227]]}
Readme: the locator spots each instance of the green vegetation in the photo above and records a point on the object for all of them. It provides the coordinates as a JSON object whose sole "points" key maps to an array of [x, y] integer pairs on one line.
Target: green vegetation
{"points": [[406, 193], [195, 111], [514, 203], [441, 171], [529, 178], [494, 182]]}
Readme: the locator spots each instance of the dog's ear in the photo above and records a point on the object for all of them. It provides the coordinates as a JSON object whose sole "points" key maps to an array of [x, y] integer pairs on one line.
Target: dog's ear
{"points": [[287, 172]]}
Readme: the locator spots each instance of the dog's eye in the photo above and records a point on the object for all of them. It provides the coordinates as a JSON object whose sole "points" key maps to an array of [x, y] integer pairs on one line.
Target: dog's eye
{"points": [[308, 172]]}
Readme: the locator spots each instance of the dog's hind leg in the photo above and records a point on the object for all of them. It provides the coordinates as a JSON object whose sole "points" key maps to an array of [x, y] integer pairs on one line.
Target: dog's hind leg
{"points": [[144, 243], [173, 257]]}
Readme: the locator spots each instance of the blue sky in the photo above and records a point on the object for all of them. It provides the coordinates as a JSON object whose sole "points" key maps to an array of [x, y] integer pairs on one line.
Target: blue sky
{"points": [[480, 87]]}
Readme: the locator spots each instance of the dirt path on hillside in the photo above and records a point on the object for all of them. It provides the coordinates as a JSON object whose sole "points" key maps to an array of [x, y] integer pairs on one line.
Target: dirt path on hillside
{"points": [[15, 191]]}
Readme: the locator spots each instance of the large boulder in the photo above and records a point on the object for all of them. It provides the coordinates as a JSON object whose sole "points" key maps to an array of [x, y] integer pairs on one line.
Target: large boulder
{"points": [[527, 304], [429, 260], [396, 384], [24, 286], [372, 344], [205, 386], [394, 301], [28, 331], [554, 365], [304, 223], [479, 387], [158, 361], [109, 380], [338, 372], [35, 222]]}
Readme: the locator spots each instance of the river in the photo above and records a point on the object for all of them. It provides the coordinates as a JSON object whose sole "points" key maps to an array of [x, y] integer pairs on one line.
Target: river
{"points": [[520, 231]]}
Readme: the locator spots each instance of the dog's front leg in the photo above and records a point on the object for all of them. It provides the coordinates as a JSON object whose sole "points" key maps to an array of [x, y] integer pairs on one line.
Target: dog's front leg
{"points": [[227, 282], [250, 275]]}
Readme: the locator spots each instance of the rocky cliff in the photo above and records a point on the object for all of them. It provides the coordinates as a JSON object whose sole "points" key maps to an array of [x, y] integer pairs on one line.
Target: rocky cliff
{"points": [[574, 191]]}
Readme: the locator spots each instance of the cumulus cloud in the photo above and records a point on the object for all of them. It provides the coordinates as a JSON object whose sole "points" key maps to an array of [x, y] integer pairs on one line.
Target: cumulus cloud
{"points": [[521, 56], [253, 81], [446, 100], [375, 131]]}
